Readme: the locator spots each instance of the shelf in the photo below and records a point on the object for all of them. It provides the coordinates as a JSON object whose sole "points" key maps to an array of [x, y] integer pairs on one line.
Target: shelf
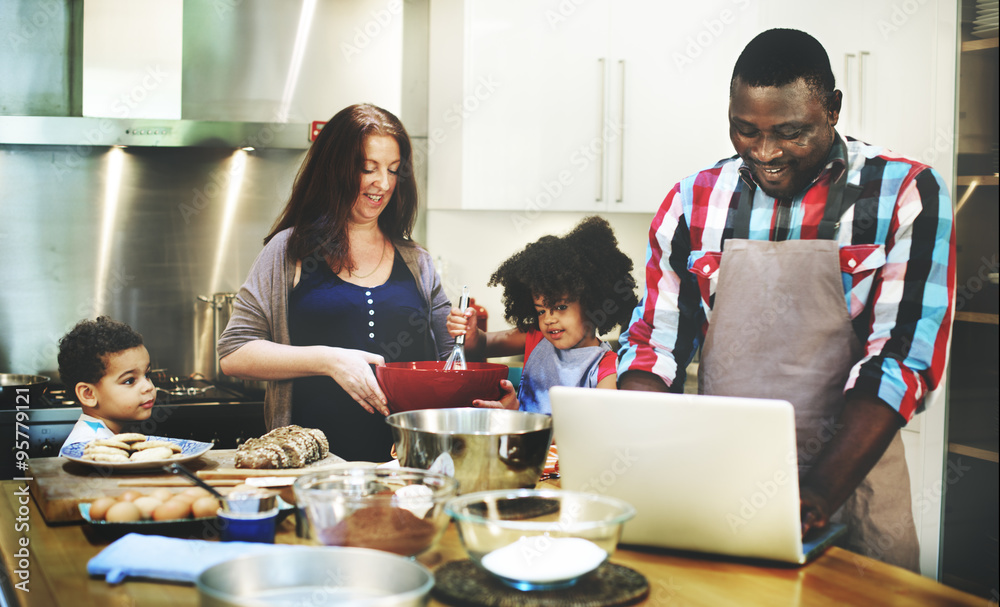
{"points": [[989, 453], [979, 45], [978, 317], [978, 180]]}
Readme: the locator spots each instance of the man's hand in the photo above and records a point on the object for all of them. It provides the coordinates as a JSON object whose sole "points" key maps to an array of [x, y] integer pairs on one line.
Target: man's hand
{"points": [[867, 426]]}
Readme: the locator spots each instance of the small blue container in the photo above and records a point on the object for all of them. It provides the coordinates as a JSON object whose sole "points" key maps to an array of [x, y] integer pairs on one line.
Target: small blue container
{"points": [[248, 527], [248, 517]]}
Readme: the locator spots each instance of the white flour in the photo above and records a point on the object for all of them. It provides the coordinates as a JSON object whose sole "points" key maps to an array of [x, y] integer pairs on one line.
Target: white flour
{"points": [[542, 559]]}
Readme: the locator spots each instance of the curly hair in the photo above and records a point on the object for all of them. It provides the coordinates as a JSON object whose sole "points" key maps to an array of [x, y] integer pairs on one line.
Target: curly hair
{"points": [[84, 350], [585, 265]]}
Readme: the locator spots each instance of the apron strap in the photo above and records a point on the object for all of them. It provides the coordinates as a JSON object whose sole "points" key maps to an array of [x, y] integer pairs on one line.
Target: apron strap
{"points": [[842, 196], [741, 225]]}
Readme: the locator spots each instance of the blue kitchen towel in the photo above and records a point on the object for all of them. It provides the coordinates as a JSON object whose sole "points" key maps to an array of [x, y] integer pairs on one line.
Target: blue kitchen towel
{"points": [[169, 558]]}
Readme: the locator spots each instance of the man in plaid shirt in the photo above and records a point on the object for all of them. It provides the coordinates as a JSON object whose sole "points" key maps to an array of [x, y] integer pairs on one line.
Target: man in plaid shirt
{"points": [[811, 268]]}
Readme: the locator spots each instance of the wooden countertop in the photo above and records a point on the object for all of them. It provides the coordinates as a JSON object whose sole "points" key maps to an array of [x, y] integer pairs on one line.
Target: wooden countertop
{"points": [[57, 572]]}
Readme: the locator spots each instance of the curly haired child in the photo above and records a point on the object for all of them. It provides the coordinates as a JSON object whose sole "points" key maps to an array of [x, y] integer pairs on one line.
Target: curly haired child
{"points": [[560, 293], [105, 365]]}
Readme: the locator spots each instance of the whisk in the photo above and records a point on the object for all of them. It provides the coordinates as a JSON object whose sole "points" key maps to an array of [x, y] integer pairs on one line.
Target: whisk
{"points": [[456, 361]]}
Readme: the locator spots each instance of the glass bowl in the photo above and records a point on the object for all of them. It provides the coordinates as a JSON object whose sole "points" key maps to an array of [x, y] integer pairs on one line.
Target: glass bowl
{"points": [[539, 539], [399, 510]]}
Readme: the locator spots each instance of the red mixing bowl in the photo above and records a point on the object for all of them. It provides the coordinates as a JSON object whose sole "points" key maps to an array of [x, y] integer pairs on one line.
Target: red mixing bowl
{"points": [[426, 385]]}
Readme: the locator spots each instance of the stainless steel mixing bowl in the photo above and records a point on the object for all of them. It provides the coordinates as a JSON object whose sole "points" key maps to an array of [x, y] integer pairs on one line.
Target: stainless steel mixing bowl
{"points": [[482, 448]]}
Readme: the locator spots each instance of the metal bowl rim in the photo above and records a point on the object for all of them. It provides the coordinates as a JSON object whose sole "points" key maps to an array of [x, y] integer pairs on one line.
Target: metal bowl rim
{"points": [[319, 552], [23, 379], [627, 510], [545, 419]]}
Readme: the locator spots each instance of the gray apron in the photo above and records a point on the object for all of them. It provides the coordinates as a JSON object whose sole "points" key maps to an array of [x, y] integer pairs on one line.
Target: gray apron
{"points": [[780, 329], [549, 366]]}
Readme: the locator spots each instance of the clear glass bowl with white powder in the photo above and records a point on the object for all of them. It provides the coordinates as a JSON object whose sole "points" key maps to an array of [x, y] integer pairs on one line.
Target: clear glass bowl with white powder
{"points": [[539, 539]]}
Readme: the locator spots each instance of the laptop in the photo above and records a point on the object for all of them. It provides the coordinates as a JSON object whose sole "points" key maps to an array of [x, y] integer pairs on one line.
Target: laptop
{"points": [[705, 473]]}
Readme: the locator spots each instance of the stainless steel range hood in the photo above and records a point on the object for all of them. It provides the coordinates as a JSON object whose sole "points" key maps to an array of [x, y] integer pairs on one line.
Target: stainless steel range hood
{"points": [[73, 131], [128, 67]]}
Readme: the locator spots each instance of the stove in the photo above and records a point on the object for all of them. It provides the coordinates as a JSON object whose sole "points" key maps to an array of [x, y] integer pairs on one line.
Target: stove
{"points": [[225, 413]]}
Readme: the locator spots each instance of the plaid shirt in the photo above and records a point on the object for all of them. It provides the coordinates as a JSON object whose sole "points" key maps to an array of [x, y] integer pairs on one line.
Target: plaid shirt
{"points": [[897, 261]]}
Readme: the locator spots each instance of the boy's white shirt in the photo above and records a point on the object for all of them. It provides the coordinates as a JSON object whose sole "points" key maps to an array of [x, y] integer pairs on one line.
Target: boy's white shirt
{"points": [[87, 428]]}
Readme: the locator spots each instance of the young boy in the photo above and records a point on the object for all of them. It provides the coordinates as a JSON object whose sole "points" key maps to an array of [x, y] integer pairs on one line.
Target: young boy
{"points": [[104, 363]]}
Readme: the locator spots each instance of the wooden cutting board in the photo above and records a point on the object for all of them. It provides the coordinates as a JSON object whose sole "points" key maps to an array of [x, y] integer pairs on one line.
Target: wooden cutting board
{"points": [[59, 485]]}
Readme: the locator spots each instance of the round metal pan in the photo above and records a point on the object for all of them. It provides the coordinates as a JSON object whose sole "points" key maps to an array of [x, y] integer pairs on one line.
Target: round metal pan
{"points": [[28, 387]]}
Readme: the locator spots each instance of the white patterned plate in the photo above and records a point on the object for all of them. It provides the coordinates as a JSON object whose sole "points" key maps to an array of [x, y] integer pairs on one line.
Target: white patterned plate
{"points": [[190, 450]]}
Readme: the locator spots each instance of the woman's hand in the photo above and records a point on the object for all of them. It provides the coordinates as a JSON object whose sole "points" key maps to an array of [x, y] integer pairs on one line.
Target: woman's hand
{"points": [[508, 399], [461, 322], [352, 370]]}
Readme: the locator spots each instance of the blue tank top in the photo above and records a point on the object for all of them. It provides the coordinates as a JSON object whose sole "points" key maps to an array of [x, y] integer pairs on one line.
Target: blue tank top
{"points": [[325, 310]]}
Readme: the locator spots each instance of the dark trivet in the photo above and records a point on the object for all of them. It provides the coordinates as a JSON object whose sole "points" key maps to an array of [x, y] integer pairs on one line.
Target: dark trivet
{"points": [[464, 583]]}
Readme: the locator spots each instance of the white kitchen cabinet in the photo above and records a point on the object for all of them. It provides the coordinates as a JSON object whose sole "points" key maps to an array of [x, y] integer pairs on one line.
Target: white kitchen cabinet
{"points": [[593, 107], [895, 63]]}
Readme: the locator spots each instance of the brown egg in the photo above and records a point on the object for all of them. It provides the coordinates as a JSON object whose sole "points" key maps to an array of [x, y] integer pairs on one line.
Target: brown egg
{"points": [[184, 497], [130, 495], [196, 492], [172, 510], [242, 487], [147, 504], [99, 507], [161, 494], [205, 506], [123, 512]]}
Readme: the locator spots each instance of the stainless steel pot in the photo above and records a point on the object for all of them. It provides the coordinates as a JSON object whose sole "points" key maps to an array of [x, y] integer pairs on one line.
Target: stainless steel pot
{"points": [[28, 387], [211, 317], [482, 448]]}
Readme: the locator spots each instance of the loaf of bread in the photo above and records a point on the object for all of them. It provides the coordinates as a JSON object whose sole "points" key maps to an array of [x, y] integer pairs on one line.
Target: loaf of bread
{"points": [[285, 447]]}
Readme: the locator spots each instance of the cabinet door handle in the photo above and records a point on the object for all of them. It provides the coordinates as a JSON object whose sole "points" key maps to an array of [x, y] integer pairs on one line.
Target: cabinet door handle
{"points": [[862, 102], [600, 133], [851, 94], [621, 137]]}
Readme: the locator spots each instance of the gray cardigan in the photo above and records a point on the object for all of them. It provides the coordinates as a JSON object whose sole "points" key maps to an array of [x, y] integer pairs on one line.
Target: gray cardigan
{"points": [[260, 311]]}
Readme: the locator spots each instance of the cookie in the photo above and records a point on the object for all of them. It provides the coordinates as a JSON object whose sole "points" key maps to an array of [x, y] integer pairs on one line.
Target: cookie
{"points": [[129, 437], [152, 444], [106, 457], [108, 442], [151, 454], [106, 450]]}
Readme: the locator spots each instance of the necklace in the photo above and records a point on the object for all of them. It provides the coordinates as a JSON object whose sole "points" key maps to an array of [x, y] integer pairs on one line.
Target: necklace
{"points": [[377, 266]]}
